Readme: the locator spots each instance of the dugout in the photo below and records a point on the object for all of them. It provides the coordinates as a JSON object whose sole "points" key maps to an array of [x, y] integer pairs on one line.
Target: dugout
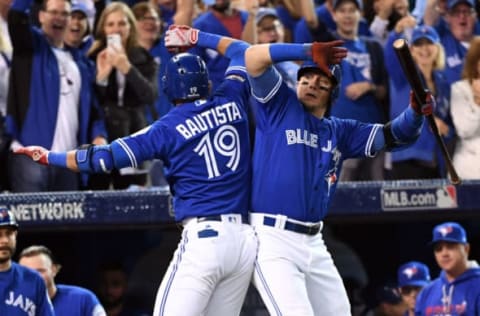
{"points": [[384, 223]]}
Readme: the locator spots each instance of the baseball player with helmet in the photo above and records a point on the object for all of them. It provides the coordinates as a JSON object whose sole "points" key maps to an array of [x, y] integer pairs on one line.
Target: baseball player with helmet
{"points": [[204, 144], [297, 158], [22, 291], [457, 290]]}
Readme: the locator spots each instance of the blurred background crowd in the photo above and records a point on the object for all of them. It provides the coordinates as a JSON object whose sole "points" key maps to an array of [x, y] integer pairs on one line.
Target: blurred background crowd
{"points": [[91, 71]]}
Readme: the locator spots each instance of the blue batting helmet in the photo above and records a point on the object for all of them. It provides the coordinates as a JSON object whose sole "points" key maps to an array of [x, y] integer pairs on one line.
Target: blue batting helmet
{"points": [[335, 76], [7, 218], [186, 77]]}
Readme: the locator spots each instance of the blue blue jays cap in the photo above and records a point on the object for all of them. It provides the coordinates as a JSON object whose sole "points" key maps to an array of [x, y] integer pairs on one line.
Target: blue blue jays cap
{"points": [[264, 12], [388, 294], [449, 232], [426, 32], [452, 3], [358, 3], [413, 273], [311, 66], [7, 218], [80, 7]]}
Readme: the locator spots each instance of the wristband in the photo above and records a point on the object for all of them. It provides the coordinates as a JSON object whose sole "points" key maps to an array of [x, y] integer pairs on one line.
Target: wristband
{"points": [[286, 51], [57, 159], [208, 40]]}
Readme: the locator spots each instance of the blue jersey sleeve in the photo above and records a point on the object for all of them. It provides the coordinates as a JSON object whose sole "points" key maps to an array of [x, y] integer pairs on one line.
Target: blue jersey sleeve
{"points": [[356, 139], [76, 301], [148, 143], [266, 85], [45, 306], [93, 306]]}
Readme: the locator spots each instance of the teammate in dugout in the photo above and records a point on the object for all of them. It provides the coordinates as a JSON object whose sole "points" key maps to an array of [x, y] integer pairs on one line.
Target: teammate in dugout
{"points": [[457, 289], [68, 300], [297, 158], [22, 291]]}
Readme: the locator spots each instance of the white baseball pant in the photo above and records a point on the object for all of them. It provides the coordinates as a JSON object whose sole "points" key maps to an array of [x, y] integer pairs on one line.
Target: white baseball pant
{"points": [[210, 270], [295, 274]]}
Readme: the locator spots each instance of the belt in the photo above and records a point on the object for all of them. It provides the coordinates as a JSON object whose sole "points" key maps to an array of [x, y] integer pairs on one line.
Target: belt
{"points": [[305, 229], [229, 218]]}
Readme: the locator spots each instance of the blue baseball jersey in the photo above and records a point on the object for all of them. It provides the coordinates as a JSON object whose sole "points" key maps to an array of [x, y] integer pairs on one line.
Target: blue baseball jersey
{"points": [[205, 148], [357, 67], [444, 298], [23, 293], [76, 301], [298, 157]]}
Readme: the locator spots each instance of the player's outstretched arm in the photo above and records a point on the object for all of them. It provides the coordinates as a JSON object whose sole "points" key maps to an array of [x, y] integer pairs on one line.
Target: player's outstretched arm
{"points": [[90, 158], [405, 129], [259, 57]]}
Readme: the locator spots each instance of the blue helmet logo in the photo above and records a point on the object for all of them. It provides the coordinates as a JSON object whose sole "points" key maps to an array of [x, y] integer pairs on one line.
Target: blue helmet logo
{"points": [[7, 218], [186, 78]]}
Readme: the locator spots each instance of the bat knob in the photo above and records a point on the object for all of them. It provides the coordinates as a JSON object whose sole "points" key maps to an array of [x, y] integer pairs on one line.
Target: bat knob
{"points": [[400, 43]]}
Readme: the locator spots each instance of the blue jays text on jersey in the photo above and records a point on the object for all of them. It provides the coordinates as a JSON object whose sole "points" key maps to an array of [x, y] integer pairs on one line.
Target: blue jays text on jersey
{"points": [[23, 302], [314, 148], [23, 293]]}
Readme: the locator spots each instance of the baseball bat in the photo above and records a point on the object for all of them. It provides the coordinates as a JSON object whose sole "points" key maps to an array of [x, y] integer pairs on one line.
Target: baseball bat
{"points": [[420, 91]]}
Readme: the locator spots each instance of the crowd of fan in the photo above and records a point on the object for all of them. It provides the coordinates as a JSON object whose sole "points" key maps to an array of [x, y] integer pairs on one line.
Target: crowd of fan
{"points": [[64, 83]]}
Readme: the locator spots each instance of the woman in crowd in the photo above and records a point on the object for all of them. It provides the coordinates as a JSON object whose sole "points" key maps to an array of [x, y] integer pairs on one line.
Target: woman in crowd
{"points": [[126, 83], [423, 159], [5, 60], [465, 110]]}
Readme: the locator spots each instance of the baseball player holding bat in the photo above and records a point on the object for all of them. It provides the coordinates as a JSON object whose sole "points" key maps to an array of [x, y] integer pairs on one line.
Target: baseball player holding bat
{"points": [[205, 146], [297, 158]]}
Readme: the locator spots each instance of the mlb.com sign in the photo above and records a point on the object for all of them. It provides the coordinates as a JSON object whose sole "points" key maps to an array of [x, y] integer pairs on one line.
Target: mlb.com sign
{"points": [[419, 198]]}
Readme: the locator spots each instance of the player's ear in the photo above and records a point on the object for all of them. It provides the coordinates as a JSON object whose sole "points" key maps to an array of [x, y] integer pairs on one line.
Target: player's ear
{"points": [[467, 248], [56, 269]]}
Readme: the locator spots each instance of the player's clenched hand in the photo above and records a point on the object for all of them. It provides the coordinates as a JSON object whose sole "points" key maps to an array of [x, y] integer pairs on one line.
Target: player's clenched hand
{"points": [[180, 37], [426, 108], [37, 153], [328, 53]]}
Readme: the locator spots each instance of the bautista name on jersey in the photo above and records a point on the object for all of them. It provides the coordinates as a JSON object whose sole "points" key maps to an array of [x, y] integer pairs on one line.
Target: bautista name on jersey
{"points": [[209, 119]]}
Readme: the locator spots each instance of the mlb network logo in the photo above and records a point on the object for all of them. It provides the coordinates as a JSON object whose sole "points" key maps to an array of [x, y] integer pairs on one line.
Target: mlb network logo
{"points": [[444, 197]]}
